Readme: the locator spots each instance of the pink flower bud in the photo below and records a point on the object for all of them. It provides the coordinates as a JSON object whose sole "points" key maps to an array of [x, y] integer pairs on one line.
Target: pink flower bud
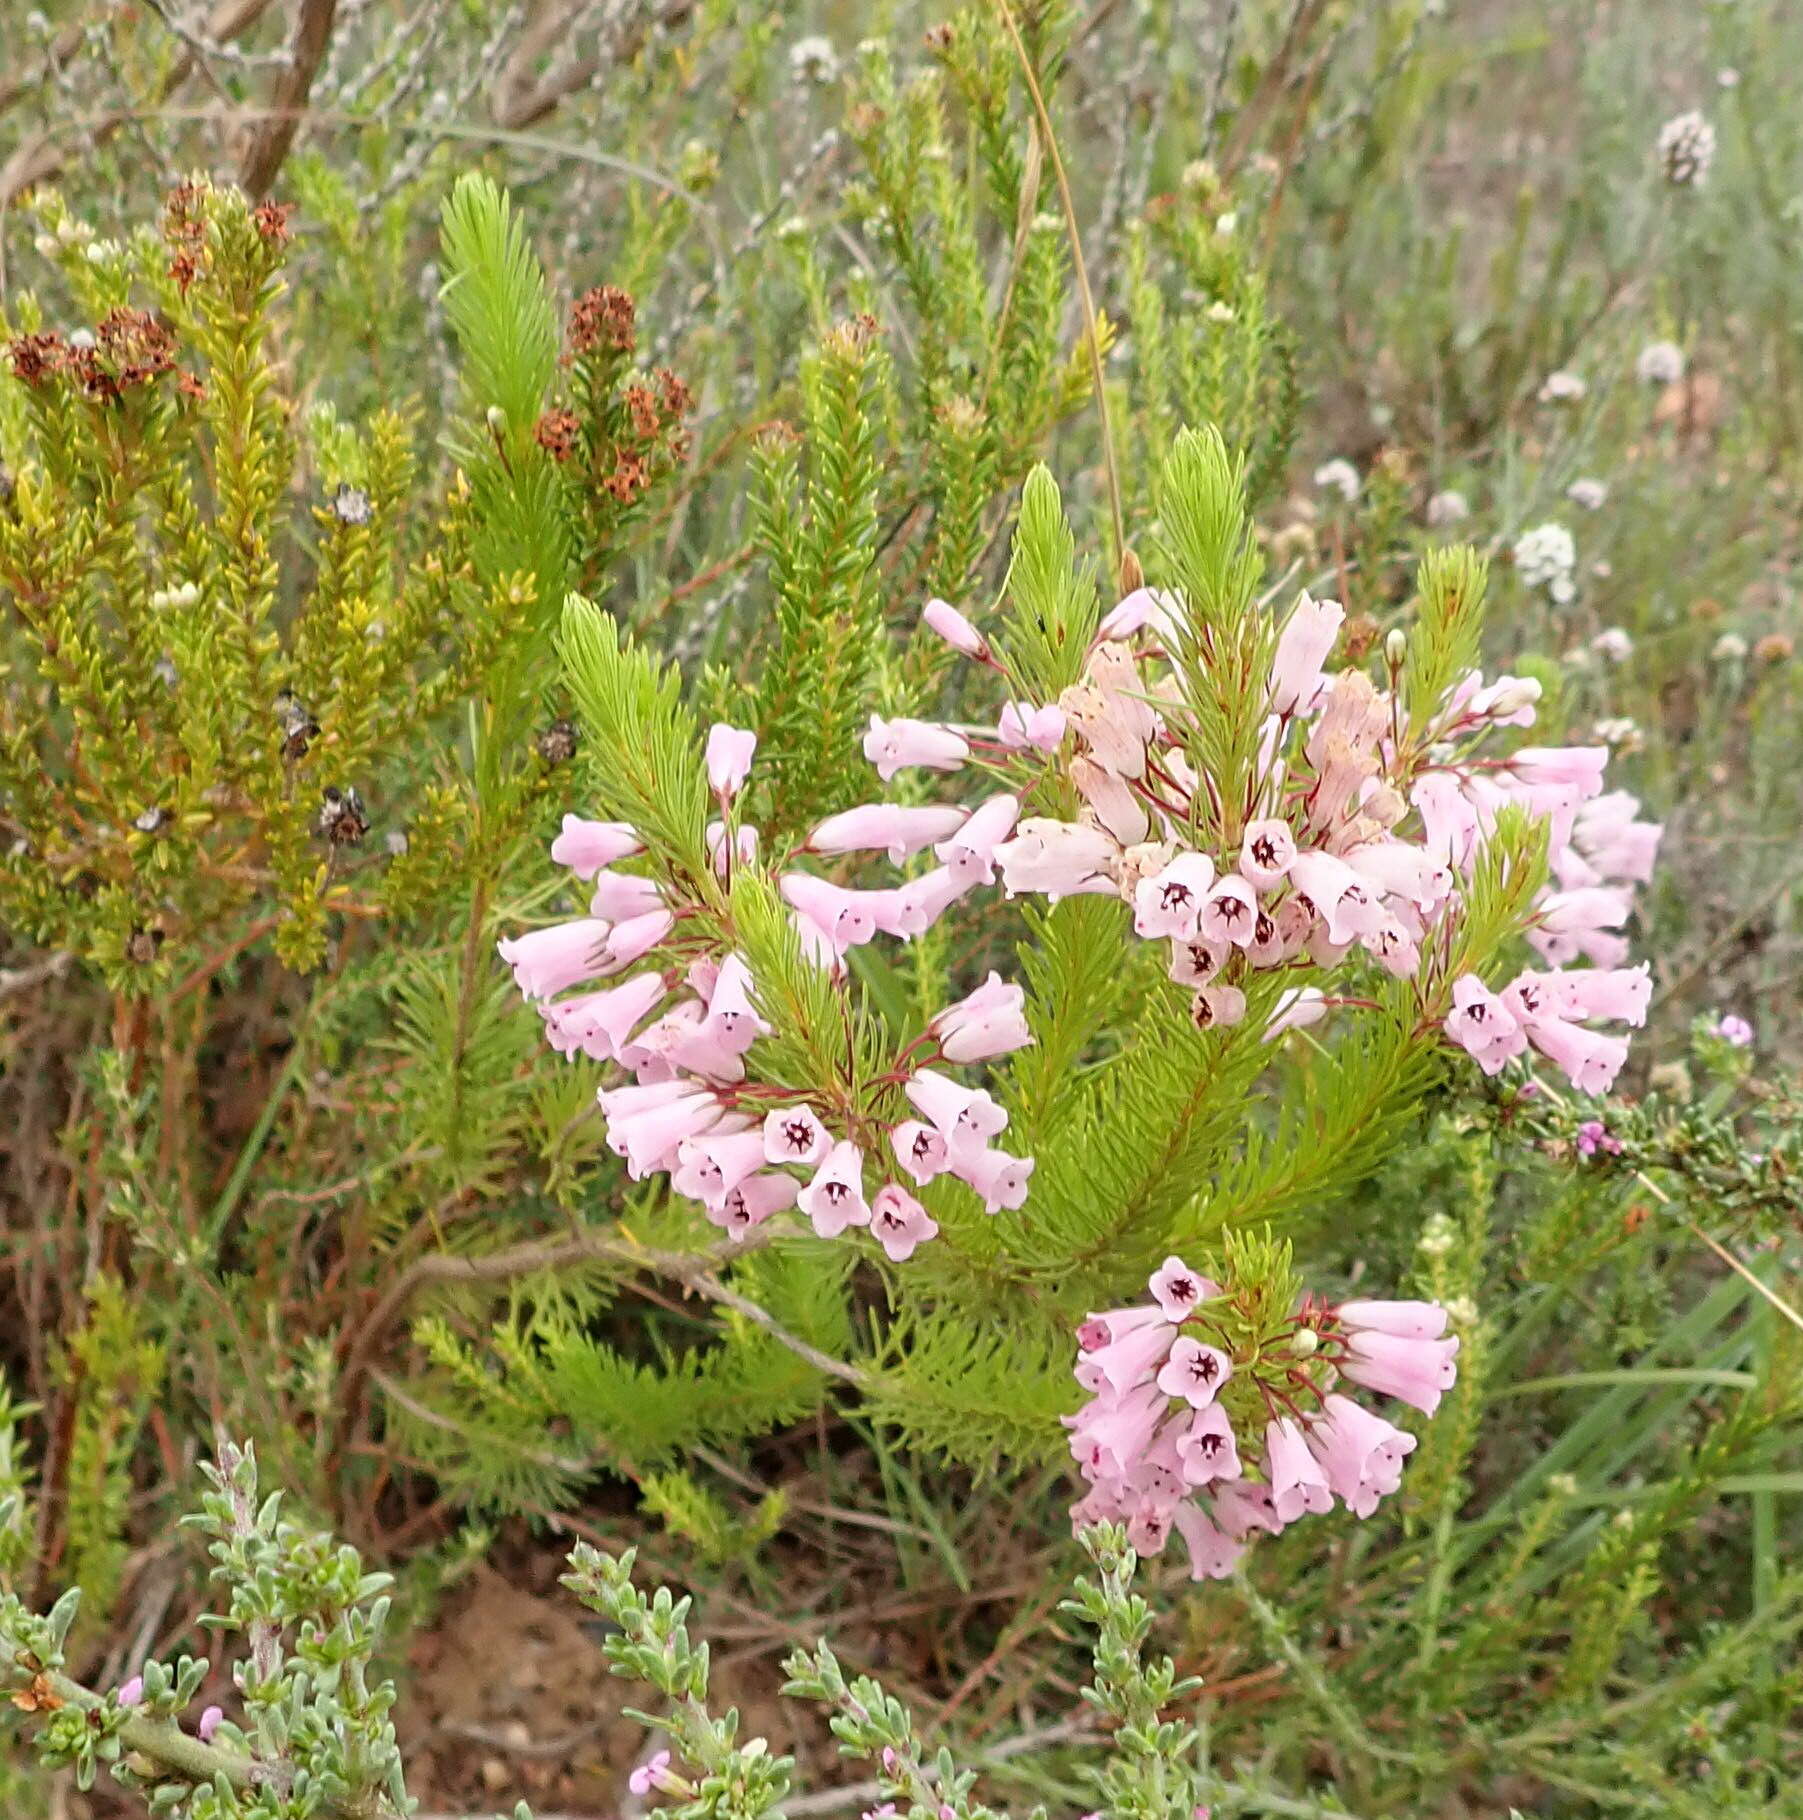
{"points": [[729, 755], [902, 831], [999, 1178], [1302, 648], [547, 961], [211, 1719], [585, 847], [969, 854], [942, 617], [988, 1023], [895, 745], [131, 1693], [1023, 726]]}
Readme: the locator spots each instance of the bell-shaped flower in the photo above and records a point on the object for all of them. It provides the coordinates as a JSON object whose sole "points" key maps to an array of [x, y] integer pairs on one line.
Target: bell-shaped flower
{"points": [[1194, 1372], [1339, 896], [1360, 1453], [1417, 1372], [585, 846], [911, 909], [999, 1178], [966, 1117], [1580, 767], [729, 754], [1240, 1506], [834, 1199], [969, 853], [1266, 852], [1297, 1009], [1297, 1482], [1180, 1291], [1206, 1448], [1056, 858], [1405, 1320], [619, 896], [753, 1201], [942, 617], [1217, 1007], [897, 745], [987, 1023], [1213, 1554], [898, 1222], [743, 849], [648, 1138], [1110, 1434], [1229, 912], [1168, 902], [1024, 727], [1613, 992], [709, 1168], [730, 1012], [896, 828], [1302, 648], [792, 1134], [919, 1149], [1157, 608], [600, 1024], [546, 962], [845, 919], [1195, 962], [1122, 1348], [1482, 1025]]}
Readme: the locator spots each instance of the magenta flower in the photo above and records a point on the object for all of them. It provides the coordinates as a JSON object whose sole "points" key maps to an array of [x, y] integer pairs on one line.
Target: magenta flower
{"points": [[891, 827], [834, 1199], [585, 846], [1593, 1135], [899, 1223], [897, 745], [645, 1778]]}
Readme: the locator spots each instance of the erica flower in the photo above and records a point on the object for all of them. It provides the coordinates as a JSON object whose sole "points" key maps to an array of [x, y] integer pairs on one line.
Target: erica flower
{"points": [[919, 1149], [1056, 858], [585, 846], [987, 1023], [900, 830], [899, 1223], [1022, 725], [1194, 1372], [968, 852], [548, 961], [834, 1199], [728, 758], [1302, 647], [792, 1134], [942, 617], [896, 745]]}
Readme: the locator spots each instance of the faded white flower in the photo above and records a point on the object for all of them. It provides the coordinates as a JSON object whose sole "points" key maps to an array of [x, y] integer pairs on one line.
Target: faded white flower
{"points": [[1546, 557], [1730, 648], [1621, 733], [1727, 78], [1562, 388], [1660, 363], [1587, 493], [1613, 644], [813, 59], [1686, 150], [1338, 476], [1447, 507]]}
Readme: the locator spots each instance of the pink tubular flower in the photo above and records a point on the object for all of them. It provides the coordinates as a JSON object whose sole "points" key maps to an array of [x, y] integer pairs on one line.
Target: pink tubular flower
{"points": [[585, 846], [1417, 1372], [1241, 1506], [649, 1138], [900, 830], [969, 853], [1588, 1059], [999, 1178], [730, 1013], [1023, 727], [1122, 1349], [633, 939], [1213, 1554], [1206, 1448], [1217, 1007], [728, 757], [1611, 992], [1195, 962], [1168, 902], [1482, 1025], [844, 919], [645, 1778], [919, 1149], [743, 850], [899, 1223], [1579, 766], [834, 1199], [1154, 607], [548, 961], [1056, 858], [753, 1201], [1360, 1453], [709, 1168], [942, 617], [1402, 1320], [600, 1024], [1296, 1009], [1297, 1482], [1302, 648], [1229, 913], [1194, 1372], [1338, 894], [987, 1023], [618, 897], [966, 1117], [895, 745], [792, 1134], [1180, 1291], [1266, 852], [912, 909]]}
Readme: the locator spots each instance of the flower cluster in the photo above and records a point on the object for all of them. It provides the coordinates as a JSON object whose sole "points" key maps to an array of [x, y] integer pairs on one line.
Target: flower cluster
{"points": [[1686, 150], [679, 1014], [1193, 1426], [1547, 557]]}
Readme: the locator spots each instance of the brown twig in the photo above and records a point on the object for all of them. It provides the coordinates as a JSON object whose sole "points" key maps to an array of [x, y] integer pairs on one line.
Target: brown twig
{"points": [[272, 138]]}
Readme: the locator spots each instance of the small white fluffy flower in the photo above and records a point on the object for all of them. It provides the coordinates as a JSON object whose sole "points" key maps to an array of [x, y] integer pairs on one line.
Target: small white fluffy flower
{"points": [[1613, 644], [1338, 476], [1730, 648], [1546, 557], [1686, 150], [1562, 388], [1447, 507], [1587, 493], [813, 60], [1621, 732], [1660, 363]]}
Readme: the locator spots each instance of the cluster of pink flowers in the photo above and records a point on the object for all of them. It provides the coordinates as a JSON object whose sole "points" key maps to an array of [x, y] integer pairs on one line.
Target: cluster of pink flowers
{"points": [[680, 1017], [1348, 836], [1160, 1450]]}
